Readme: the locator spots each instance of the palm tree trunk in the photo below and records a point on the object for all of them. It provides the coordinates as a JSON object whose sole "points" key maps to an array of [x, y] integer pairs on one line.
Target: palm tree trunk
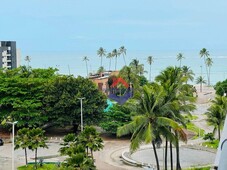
{"points": [[26, 157], [156, 155], [150, 73], [92, 154], [116, 63], [124, 59], [109, 64], [171, 155], [201, 87], [101, 61], [206, 70], [219, 132], [209, 76], [166, 156], [35, 158], [87, 68], [178, 167]]}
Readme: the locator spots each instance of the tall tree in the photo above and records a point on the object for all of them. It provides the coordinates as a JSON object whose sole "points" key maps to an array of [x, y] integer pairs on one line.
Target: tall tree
{"points": [[180, 95], [63, 107], [145, 126], [204, 53], [216, 114], [180, 57], [209, 63], [101, 52], [22, 93], [110, 56], [150, 60], [188, 73], [86, 60], [200, 80], [122, 51], [115, 53]]}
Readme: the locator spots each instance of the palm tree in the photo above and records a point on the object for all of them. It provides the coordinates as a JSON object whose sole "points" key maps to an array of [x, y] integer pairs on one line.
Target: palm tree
{"points": [[22, 141], [86, 60], [91, 140], [100, 70], [145, 126], [200, 80], [188, 73], [122, 51], [115, 53], [204, 54], [180, 57], [150, 60], [135, 65], [179, 94], [109, 55], [101, 52], [28, 59], [209, 63], [216, 113], [37, 140]]}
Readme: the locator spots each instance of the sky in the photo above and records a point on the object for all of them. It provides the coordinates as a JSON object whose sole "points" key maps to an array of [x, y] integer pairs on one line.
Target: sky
{"points": [[59, 33]]}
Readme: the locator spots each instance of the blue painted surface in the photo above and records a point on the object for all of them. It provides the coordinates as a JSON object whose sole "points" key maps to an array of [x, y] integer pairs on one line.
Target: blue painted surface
{"points": [[110, 105]]}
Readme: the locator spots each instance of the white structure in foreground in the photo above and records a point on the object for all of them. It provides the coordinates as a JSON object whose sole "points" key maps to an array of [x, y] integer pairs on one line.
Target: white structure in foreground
{"points": [[220, 160]]}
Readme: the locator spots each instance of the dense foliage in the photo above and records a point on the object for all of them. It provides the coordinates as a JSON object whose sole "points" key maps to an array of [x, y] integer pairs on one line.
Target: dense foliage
{"points": [[117, 116], [62, 102], [77, 149], [21, 95], [34, 97]]}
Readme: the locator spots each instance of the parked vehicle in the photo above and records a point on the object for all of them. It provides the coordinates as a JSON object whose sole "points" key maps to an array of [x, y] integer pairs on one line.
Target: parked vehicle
{"points": [[1, 142]]}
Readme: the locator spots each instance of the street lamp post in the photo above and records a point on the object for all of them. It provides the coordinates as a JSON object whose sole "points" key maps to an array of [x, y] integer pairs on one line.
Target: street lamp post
{"points": [[13, 124], [81, 112]]}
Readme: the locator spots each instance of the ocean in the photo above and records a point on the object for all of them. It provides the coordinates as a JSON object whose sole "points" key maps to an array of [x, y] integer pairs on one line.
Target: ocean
{"points": [[72, 62]]}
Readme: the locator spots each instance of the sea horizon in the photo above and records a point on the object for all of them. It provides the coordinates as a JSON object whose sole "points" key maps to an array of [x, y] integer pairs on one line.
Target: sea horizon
{"points": [[71, 62]]}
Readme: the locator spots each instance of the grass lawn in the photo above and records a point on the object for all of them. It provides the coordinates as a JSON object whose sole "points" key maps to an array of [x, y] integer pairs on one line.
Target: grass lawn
{"points": [[44, 167], [203, 168], [211, 144]]}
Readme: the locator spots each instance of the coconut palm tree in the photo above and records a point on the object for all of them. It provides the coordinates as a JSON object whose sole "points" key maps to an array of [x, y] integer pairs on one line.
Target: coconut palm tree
{"points": [[86, 60], [122, 51], [180, 57], [135, 66], [110, 56], [101, 52], [209, 63], [145, 126], [22, 141], [150, 60], [216, 113], [204, 53], [178, 93], [91, 140], [200, 80], [100, 70], [188, 73], [115, 53], [37, 140]]}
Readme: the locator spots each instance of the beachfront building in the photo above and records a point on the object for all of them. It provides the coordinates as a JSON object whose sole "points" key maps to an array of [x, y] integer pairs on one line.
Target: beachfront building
{"points": [[9, 55], [101, 80]]}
